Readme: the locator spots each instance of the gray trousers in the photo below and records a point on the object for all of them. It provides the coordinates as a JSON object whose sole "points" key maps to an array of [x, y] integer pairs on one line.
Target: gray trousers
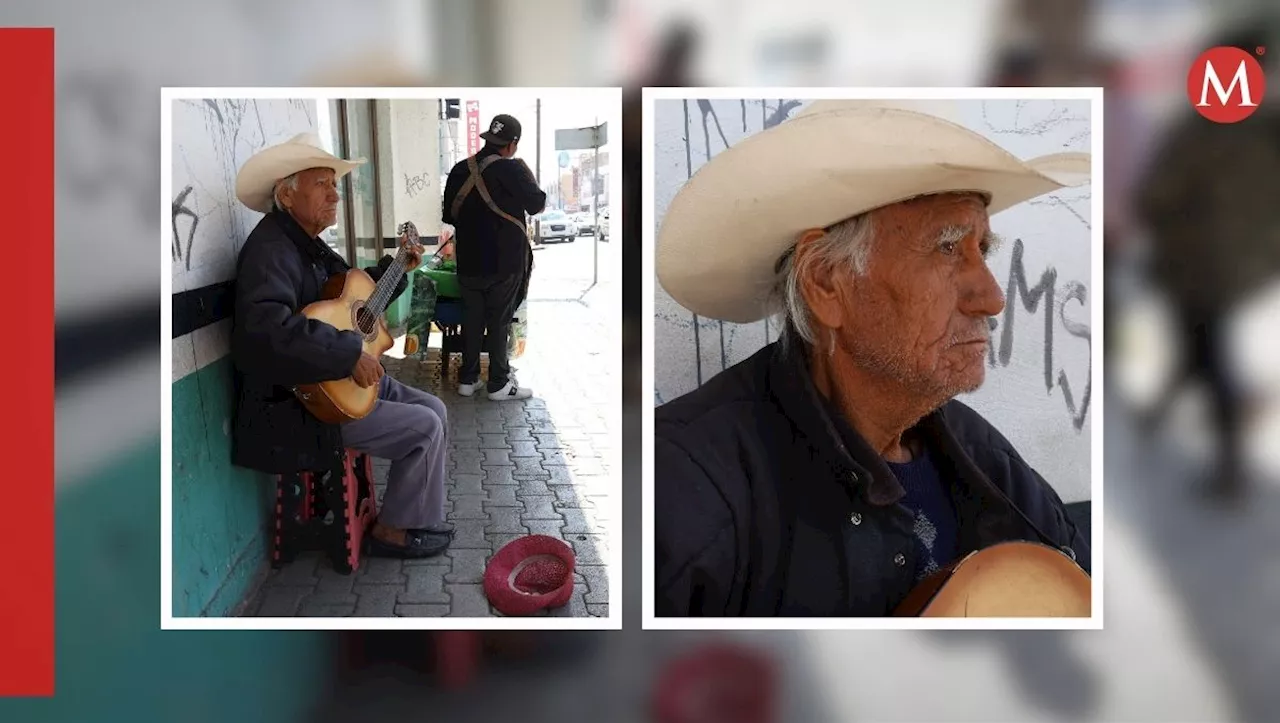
{"points": [[410, 428]]}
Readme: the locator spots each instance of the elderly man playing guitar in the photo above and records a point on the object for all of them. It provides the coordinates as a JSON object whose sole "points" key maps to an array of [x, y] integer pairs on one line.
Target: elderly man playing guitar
{"points": [[282, 270], [833, 473]]}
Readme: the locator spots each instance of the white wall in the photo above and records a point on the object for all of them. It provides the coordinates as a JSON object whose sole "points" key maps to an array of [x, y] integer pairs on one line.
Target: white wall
{"points": [[211, 140], [414, 163], [1038, 385]]}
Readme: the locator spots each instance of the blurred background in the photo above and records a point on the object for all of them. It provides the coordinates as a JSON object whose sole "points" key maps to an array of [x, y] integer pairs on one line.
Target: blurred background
{"points": [[1189, 402]]}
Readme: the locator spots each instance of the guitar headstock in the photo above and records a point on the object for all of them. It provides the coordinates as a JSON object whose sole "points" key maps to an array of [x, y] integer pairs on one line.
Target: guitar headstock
{"points": [[408, 231], [409, 237]]}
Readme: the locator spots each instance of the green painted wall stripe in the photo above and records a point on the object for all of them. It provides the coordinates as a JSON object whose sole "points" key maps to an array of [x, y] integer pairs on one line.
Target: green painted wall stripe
{"points": [[220, 512], [114, 663]]}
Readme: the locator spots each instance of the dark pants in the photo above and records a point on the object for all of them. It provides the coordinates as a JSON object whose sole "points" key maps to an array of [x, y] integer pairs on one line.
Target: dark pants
{"points": [[488, 304], [1205, 346], [1206, 358]]}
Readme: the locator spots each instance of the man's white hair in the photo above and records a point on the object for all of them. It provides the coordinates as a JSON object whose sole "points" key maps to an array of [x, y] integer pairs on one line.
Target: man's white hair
{"points": [[847, 243], [290, 182]]}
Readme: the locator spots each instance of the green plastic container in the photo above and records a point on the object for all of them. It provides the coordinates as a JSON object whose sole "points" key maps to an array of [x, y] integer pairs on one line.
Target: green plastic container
{"points": [[446, 282]]}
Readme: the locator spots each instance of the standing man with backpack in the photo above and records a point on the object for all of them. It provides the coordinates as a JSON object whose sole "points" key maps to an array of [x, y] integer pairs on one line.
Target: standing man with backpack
{"points": [[486, 198]]}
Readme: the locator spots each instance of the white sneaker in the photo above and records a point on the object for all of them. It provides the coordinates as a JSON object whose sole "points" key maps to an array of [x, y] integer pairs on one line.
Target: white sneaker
{"points": [[467, 390], [511, 391]]}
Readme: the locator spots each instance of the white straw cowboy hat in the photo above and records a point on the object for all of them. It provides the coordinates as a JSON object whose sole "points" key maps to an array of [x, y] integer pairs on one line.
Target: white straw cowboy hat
{"points": [[260, 174], [722, 236]]}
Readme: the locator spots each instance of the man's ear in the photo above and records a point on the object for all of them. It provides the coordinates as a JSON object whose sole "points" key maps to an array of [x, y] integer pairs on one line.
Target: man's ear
{"points": [[818, 282]]}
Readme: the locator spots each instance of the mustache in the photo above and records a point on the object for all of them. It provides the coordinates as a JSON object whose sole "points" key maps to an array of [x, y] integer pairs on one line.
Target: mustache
{"points": [[976, 334]]}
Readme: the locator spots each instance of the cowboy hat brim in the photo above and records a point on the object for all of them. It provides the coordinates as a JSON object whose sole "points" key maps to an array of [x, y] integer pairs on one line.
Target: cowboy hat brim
{"points": [[258, 176], [722, 235]]}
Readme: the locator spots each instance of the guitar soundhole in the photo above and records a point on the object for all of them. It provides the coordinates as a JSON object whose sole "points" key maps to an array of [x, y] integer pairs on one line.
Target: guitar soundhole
{"points": [[366, 322]]}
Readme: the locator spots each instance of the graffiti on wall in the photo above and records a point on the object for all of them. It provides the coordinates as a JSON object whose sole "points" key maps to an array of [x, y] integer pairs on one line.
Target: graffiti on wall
{"points": [[180, 210], [212, 138], [1040, 299], [770, 114], [416, 184]]}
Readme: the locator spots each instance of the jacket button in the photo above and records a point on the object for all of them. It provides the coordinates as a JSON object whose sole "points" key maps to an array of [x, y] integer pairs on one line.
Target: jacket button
{"points": [[855, 518], [853, 477], [899, 559]]}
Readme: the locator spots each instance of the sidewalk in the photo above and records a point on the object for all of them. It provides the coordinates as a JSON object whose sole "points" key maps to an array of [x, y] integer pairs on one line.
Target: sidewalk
{"points": [[538, 466]]}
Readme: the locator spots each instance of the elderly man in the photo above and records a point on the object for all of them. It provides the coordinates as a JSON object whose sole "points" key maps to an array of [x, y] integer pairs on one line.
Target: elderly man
{"points": [[831, 472], [281, 269]]}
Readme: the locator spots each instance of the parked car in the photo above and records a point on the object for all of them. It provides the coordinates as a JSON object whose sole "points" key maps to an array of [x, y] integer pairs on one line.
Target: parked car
{"points": [[604, 224], [583, 220], [557, 225]]}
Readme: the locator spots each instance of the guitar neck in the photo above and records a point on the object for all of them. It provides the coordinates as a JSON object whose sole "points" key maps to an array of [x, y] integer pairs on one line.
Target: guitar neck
{"points": [[386, 285]]}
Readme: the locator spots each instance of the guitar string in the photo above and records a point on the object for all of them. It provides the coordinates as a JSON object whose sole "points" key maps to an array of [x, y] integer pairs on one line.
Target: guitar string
{"points": [[382, 291], [380, 296]]}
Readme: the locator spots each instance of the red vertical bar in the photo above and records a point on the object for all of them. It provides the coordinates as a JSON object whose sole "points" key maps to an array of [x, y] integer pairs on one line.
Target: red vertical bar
{"points": [[26, 202]]}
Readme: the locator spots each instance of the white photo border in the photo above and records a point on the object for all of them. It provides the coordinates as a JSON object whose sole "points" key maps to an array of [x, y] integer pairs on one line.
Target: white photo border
{"points": [[648, 289], [610, 96]]}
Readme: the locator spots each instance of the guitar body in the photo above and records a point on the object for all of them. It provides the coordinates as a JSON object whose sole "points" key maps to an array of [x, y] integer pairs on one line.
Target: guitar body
{"points": [[1008, 580], [343, 299]]}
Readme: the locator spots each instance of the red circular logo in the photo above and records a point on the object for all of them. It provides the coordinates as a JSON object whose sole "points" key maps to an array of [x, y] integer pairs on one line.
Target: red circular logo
{"points": [[1226, 84]]}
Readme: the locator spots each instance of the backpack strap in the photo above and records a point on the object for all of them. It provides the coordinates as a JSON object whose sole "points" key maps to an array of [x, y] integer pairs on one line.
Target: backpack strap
{"points": [[470, 183], [476, 181]]}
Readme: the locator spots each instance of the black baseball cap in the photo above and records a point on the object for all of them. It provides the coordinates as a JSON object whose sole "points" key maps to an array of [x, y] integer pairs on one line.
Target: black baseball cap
{"points": [[503, 129]]}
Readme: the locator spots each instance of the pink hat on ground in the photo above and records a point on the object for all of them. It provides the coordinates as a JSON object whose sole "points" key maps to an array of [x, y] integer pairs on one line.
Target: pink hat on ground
{"points": [[530, 574]]}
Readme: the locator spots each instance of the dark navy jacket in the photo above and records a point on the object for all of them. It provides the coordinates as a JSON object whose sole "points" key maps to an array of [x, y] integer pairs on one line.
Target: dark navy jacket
{"points": [[489, 245], [279, 271], [761, 510]]}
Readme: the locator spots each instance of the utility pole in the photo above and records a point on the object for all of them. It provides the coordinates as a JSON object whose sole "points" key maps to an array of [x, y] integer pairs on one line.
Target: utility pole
{"points": [[595, 208], [537, 161]]}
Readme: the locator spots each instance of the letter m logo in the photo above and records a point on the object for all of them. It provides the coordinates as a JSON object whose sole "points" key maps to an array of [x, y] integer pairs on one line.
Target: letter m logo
{"points": [[1234, 100]]}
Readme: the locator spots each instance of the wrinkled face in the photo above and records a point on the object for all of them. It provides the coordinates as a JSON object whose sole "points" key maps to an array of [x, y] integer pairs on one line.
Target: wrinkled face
{"points": [[315, 202], [919, 315]]}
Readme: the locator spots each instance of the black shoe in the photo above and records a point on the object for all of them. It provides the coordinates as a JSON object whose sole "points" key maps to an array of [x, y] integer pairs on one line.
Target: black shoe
{"points": [[417, 545], [440, 528]]}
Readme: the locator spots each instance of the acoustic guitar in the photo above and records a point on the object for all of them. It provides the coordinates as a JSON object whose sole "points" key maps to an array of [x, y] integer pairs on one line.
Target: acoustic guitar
{"points": [[1007, 580], [351, 301]]}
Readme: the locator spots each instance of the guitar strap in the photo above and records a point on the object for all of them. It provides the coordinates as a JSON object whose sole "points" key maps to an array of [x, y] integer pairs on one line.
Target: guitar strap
{"points": [[476, 181]]}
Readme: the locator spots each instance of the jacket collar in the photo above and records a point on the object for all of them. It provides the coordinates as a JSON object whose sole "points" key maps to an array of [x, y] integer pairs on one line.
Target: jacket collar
{"points": [[993, 515], [794, 391], [792, 384], [310, 247]]}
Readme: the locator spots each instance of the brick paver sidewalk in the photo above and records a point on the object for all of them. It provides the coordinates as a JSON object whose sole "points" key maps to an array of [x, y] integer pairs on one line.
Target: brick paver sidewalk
{"points": [[539, 466]]}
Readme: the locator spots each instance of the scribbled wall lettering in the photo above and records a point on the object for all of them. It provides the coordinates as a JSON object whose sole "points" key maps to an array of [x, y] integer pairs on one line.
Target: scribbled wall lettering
{"points": [[1040, 299], [414, 185], [1076, 291], [180, 210]]}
